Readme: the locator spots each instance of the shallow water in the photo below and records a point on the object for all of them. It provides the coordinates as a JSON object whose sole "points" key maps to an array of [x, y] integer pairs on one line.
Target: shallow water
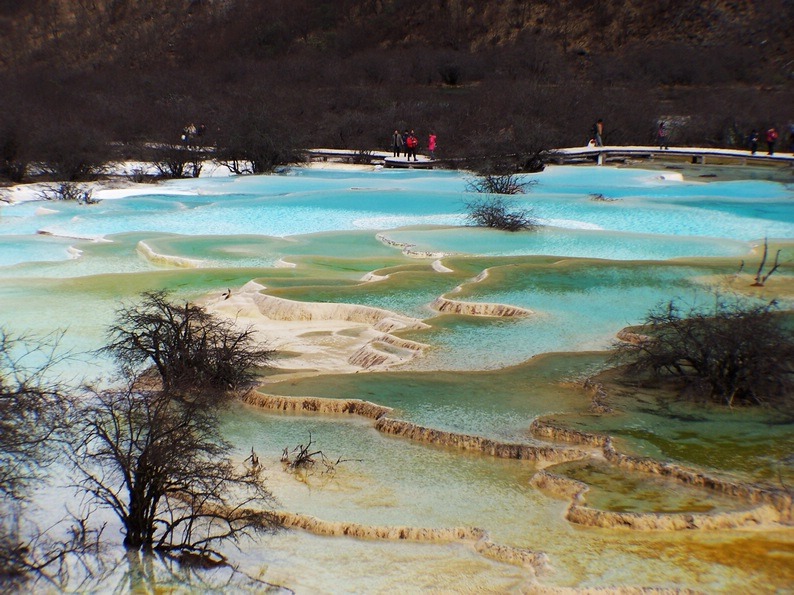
{"points": [[615, 242], [396, 482]]}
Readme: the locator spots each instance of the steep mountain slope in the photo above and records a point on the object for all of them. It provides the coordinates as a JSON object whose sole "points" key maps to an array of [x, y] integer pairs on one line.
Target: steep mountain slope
{"points": [[488, 76], [89, 32]]}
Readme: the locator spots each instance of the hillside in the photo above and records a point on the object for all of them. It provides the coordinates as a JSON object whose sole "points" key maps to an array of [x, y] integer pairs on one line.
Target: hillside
{"points": [[490, 75], [82, 33]]}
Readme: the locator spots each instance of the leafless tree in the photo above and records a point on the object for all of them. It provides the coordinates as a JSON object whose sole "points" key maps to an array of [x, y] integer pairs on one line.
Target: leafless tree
{"points": [[734, 352], [256, 143], [190, 349], [14, 161], [177, 162], [158, 462], [70, 152], [499, 184], [31, 408]]}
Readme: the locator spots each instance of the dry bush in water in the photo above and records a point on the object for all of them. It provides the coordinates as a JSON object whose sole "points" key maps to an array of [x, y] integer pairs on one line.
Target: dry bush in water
{"points": [[499, 213], [69, 191], [732, 352]]}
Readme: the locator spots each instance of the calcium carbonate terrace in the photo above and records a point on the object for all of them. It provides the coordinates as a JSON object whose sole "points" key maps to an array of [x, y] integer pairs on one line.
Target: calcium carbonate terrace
{"points": [[475, 460]]}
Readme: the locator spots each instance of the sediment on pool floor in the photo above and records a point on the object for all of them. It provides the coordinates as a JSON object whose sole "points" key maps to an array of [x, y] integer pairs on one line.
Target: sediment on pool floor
{"points": [[412, 431], [779, 500], [536, 562]]}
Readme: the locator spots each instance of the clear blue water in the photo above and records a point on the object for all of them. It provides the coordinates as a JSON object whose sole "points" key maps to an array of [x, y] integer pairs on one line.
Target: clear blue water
{"points": [[311, 201], [260, 222], [595, 267]]}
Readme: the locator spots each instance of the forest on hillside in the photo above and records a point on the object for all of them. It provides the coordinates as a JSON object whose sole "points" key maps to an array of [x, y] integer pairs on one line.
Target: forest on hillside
{"points": [[85, 81]]}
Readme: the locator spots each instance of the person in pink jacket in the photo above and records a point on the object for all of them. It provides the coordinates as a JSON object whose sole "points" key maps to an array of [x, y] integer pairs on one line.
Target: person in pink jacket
{"points": [[431, 145]]}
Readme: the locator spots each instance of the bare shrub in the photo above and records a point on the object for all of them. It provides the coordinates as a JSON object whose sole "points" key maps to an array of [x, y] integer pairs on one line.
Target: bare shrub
{"points": [[362, 156], [13, 159], [33, 408], [451, 74], [31, 405], [139, 175], [499, 213], [732, 352], [177, 162], [69, 191], [303, 458], [499, 184], [70, 152], [254, 143]]}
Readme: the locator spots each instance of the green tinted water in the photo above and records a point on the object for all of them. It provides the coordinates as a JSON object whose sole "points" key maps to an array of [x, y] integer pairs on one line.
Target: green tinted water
{"points": [[484, 376]]}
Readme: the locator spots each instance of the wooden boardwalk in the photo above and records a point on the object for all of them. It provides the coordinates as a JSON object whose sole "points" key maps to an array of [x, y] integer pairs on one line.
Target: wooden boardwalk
{"points": [[383, 158], [702, 155], [594, 155]]}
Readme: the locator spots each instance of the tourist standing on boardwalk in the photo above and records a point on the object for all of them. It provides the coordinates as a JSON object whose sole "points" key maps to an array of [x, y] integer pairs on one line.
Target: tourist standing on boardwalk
{"points": [[431, 145], [405, 142], [662, 135], [598, 132], [396, 143], [771, 139], [411, 142], [753, 141]]}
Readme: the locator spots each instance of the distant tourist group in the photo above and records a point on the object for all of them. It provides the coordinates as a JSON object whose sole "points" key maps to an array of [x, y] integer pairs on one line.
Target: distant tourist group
{"points": [[191, 131], [597, 135], [406, 143], [663, 137], [770, 137]]}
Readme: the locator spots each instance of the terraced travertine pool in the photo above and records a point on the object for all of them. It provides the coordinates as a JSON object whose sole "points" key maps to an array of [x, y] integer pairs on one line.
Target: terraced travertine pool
{"points": [[463, 389]]}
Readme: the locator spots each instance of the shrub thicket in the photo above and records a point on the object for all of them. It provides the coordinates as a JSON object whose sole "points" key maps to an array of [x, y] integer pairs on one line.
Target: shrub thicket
{"points": [[498, 212], [732, 352]]}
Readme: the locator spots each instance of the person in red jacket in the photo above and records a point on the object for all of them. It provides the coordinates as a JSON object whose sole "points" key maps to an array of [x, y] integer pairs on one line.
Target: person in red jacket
{"points": [[412, 143], [431, 145]]}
